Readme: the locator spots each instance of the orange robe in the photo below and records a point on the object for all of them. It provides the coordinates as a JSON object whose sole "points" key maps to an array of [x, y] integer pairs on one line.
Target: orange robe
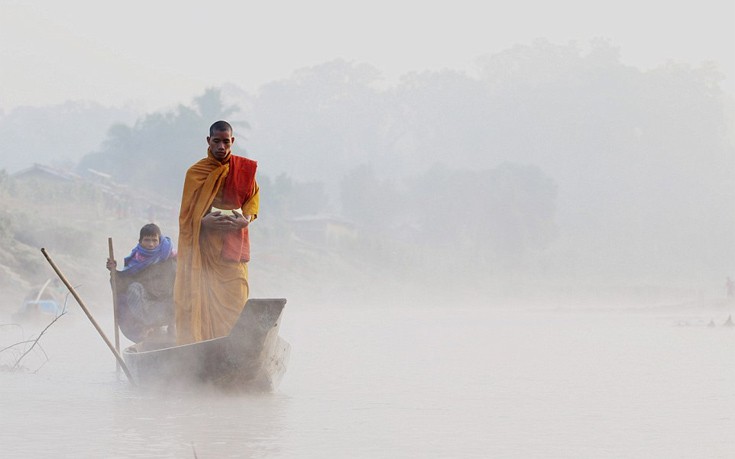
{"points": [[211, 286]]}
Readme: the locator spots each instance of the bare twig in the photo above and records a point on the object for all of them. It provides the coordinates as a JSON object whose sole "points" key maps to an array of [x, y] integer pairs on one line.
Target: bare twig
{"points": [[17, 344], [35, 342], [44, 363]]}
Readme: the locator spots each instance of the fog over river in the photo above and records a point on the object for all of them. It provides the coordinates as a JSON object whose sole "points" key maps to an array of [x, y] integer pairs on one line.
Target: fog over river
{"points": [[502, 232], [412, 381]]}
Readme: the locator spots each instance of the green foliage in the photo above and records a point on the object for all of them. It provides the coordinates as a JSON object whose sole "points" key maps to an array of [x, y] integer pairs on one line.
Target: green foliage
{"points": [[550, 148], [155, 153]]}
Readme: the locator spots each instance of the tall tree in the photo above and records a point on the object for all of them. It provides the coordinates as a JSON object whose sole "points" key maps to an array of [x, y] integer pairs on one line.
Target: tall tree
{"points": [[155, 152]]}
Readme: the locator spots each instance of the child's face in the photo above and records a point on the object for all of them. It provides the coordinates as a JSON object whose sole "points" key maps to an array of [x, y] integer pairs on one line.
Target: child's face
{"points": [[150, 242]]}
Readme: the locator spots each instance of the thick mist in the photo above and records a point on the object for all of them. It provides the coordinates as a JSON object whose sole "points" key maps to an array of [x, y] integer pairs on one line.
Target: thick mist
{"points": [[524, 260], [557, 172]]}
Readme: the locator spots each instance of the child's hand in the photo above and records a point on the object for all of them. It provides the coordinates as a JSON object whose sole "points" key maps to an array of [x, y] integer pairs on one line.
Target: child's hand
{"points": [[111, 264]]}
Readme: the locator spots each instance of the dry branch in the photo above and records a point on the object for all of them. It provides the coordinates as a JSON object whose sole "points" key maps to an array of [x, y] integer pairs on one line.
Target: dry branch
{"points": [[34, 342]]}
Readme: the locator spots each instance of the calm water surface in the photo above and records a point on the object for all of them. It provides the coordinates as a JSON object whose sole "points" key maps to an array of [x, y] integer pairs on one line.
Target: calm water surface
{"points": [[401, 382]]}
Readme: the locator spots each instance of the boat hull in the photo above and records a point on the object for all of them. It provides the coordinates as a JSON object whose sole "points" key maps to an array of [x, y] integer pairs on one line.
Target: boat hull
{"points": [[251, 357]]}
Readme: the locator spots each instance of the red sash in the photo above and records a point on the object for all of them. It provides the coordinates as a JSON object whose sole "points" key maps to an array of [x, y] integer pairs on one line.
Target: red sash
{"points": [[237, 189]]}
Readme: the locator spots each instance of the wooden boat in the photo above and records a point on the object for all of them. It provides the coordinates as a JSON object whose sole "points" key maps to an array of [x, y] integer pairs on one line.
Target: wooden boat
{"points": [[251, 357]]}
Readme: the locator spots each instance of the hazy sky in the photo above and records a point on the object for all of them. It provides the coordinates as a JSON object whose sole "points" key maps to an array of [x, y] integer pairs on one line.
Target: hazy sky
{"points": [[158, 53]]}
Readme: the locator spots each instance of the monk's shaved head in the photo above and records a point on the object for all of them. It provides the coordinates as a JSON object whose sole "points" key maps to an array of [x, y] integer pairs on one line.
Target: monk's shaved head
{"points": [[220, 126]]}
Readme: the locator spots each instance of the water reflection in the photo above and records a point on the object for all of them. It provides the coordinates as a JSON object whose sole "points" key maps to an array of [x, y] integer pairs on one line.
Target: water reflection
{"points": [[404, 382], [161, 424]]}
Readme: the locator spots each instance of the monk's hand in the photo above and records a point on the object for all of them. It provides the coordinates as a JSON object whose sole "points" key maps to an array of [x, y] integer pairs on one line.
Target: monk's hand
{"points": [[239, 221], [217, 221]]}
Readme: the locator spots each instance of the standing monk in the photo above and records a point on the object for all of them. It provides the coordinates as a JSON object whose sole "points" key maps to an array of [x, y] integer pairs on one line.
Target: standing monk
{"points": [[219, 201]]}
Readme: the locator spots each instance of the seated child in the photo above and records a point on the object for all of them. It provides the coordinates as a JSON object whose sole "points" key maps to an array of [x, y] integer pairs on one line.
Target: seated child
{"points": [[145, 299]]}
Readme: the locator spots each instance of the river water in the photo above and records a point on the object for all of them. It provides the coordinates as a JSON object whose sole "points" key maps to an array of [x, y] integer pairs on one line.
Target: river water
{"points": [[418, 381]]}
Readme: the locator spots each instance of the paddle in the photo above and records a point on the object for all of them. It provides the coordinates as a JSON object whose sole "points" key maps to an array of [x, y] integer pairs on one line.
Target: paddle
{"points": [[89, 315]]}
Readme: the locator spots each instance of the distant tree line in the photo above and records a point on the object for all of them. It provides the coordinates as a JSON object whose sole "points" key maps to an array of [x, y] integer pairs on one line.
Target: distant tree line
{"points": [[548, 143]]}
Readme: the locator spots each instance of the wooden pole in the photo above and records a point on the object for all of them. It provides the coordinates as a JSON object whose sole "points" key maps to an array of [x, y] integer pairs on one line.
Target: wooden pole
{"points": [[113, 280], [89, 315]]}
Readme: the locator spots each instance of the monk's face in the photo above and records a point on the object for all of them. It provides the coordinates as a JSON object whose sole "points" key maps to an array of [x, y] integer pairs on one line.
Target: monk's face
{"points": [[220, 143]]}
